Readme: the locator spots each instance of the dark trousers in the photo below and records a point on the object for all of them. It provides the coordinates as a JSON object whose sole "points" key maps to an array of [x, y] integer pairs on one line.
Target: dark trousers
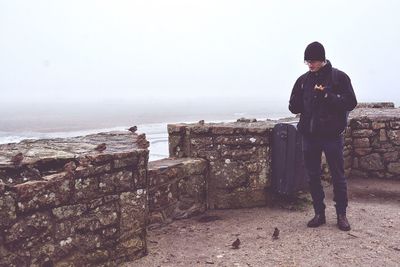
{"points": [[333, 149]]}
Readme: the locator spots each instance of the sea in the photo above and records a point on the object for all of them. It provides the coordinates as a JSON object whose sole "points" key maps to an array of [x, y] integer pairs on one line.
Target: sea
{"points": [[55, 123]]}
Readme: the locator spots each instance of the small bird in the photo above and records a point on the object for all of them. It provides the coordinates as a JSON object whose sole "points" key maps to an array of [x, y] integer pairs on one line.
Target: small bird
{"points": [[101, 147], [201, 122], [236, 244], [17, 159], [69, 166], [84, 161], [133, 129], [275, 235], [31, 174], [141, 141]]}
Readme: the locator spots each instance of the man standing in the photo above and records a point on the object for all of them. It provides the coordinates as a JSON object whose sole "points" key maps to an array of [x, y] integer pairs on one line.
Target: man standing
{"points": [[323, 96]]}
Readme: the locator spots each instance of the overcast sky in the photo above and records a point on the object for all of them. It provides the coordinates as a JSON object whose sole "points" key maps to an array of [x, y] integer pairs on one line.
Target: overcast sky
{"points": [[98, 50]]}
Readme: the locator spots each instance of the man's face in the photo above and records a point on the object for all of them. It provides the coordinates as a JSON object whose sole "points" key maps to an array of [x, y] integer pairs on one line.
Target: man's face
{"points": [[314, 65]]}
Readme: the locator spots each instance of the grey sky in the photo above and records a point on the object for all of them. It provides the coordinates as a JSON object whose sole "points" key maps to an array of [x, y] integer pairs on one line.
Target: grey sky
{"points": [[95, 50]]}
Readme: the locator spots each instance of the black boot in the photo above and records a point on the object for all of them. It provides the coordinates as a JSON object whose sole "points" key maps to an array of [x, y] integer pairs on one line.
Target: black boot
{"points": [[318, 220], [343, 223]]}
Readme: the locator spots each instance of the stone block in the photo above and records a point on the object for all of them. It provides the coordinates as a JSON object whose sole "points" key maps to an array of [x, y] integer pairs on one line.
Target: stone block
{"points": [[394, 136], [69, 211], [54, 191], [176, 129], [363, 133], [193, 187], [161, 174], [394, 167], [99, 218], [362, 151], [194, 166], [395, 125], [163, 196], [201, 143], [7, 210], [382, 135], [239, 154], [223, 130], [241, 140], [116, 182], [86, 188], [378, 125], [372, 162], [356, 124], [200, 129], [240, 198], [229, 174], [175, 142], [30, 229], [129, 163], [133, 210], [132, 245], [260, 180], [361, 142], [210, 155], [391, 156], [91, 170]]}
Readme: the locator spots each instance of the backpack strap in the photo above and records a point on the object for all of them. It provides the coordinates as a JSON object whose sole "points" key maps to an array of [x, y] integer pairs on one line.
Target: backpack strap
{"points": [[335, 78], [335, 83], [304, 79]]}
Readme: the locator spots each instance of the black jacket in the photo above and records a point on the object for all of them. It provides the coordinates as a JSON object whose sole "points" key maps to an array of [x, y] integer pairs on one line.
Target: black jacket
{"points": [[322, 114]]}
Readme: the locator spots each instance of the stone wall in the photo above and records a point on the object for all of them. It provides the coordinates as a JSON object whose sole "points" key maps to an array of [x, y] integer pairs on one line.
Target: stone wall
{"points": [[376, 143], [67, 202], [64, 203], [239, 159], [177, 189]]}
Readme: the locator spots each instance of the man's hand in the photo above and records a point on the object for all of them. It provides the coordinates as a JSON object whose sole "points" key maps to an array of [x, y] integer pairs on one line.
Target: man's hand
{"points": [[320, 89]]}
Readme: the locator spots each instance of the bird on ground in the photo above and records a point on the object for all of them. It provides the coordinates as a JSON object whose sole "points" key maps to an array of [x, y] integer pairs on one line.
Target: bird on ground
{"points": [[101, 147], [275, 235], [133, 129], [17, 159], [236, 244], [201, 122]]}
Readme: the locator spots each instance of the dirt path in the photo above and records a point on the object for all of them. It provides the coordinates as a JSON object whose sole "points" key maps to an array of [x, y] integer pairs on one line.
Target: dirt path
{"points": [[374, 240]]}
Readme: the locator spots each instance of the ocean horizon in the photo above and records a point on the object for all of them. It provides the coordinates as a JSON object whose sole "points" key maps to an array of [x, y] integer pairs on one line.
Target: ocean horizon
{"points": [[21, 121], [156, 134]]}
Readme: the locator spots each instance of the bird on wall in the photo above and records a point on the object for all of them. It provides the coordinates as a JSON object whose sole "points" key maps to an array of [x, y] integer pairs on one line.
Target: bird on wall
{"points": [[31, 173], [70, 166], [17, 159], [236, 244], [84, 161], [101, 147], [133, 129], [275, 235]]}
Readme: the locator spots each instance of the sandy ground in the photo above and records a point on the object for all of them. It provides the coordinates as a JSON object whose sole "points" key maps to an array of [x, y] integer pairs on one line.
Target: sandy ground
{"points": [[374, 214]]}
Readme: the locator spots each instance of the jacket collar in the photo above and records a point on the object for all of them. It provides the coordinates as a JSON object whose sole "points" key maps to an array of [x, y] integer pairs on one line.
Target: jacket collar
{"points": [[324, 70]]}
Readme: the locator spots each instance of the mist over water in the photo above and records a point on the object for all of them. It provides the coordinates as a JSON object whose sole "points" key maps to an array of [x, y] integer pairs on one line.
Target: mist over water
{"points": [[36, 121], [52, 117]]}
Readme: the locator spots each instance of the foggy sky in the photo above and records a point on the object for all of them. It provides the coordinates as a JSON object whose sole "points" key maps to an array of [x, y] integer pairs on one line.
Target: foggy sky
{"points": [[98, 51]]}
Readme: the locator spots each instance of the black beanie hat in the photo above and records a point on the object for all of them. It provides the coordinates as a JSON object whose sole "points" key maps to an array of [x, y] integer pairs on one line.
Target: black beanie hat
{"points": [[314, 51]]}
